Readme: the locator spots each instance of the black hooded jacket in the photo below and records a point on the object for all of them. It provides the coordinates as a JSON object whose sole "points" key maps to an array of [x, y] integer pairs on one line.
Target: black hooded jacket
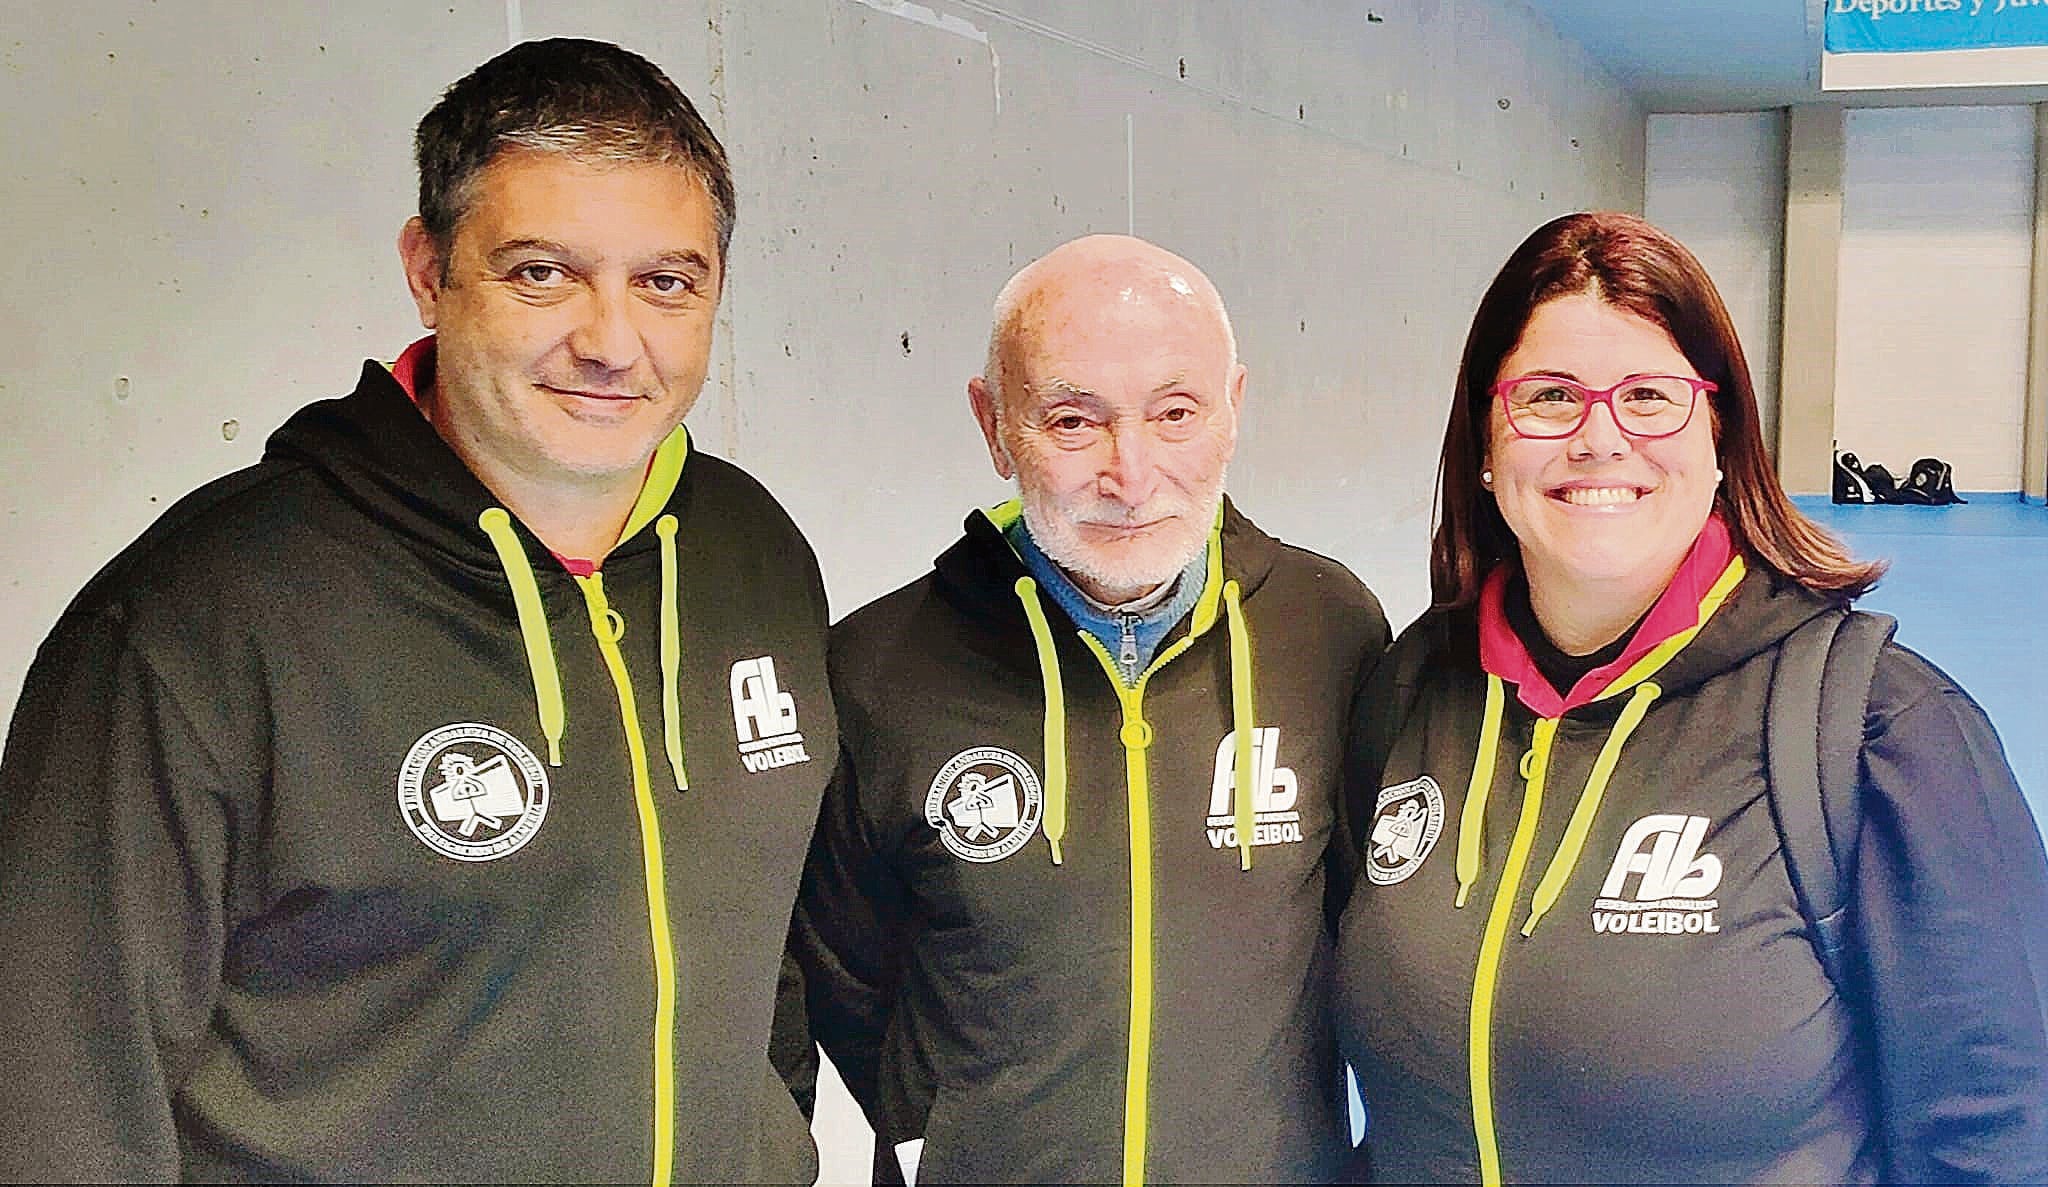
{"points": [[1033, 941], [1588, 964], [293, 886]]}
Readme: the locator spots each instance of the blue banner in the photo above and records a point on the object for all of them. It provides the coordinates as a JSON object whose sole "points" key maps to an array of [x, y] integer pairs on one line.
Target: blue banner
{"points": [[1918, 26]]}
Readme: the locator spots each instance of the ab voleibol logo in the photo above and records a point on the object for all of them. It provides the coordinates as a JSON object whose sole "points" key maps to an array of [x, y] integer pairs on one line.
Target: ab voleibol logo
{"points": [[985, 802], [472, 792], [1407, 818], [764, 717], [1274, 789], [1675, 881]]}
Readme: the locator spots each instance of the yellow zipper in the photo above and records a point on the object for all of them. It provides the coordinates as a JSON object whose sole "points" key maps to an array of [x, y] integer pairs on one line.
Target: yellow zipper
{"points": [[606, 624], [1535, 765], [1136, 735]]}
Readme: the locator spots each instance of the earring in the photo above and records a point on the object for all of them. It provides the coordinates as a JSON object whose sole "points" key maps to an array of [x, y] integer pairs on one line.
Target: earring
{"points": [[1486, 479], [1718, 476]]}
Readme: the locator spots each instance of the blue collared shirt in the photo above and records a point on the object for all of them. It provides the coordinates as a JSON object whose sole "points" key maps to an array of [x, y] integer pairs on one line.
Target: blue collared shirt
{"points": [[1132, 633]]}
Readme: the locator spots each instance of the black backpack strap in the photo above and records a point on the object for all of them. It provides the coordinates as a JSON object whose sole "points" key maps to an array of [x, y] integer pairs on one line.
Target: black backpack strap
{"points": [[1813, 745]]}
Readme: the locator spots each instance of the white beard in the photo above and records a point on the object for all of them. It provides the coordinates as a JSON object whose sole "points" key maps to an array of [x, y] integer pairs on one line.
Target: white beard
{"points": [[1134, 567]]}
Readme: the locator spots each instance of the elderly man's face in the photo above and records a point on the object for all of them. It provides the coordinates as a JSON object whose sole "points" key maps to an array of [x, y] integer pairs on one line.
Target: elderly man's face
{"points": [[1117, 415], [573, 319]]}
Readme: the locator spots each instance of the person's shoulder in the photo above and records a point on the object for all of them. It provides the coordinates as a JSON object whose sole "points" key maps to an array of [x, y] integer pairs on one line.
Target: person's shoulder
{"points": [[1905, 684], [1931, 752], [729, 514], [214, 537], [1327, 575], [1310, 583], [717, 489], [883, 622], [887, 648], [1264, 557], [1923, 732], [1440, 638]]}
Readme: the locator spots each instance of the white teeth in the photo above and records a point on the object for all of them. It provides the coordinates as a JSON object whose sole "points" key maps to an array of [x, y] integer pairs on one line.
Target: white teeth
{"points": [[1598, 496]]}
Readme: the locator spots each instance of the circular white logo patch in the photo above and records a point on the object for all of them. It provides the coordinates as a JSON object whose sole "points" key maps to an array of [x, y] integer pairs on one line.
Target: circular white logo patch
{"points": [[985, 803], [472, 792], [1406, 822]]}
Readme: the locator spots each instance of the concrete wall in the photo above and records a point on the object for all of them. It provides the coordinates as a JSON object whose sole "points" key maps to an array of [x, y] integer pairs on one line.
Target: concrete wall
{"points": [[204, 198], [1717, 183], [1936, 262], [1902, 242]]}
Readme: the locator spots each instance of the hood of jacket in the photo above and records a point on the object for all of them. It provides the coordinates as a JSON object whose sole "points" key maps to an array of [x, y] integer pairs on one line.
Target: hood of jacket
{"points": [[383, 455], [1712, 618]]}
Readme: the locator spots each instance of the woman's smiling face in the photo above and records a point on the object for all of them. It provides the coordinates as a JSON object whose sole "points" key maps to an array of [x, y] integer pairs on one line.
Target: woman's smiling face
{"points": [[1600, 510]]}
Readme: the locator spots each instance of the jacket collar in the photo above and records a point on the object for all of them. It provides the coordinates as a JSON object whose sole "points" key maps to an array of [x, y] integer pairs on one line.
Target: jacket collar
{"points": [[1677, 609]]}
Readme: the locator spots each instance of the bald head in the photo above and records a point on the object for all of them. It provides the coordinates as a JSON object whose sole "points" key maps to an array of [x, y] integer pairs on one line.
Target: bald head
{"points": [[1091, 275], [1111, 397]]}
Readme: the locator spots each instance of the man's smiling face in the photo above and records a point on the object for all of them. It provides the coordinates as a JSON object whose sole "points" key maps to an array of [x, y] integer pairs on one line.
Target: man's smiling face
{"points": [[573, 317]]}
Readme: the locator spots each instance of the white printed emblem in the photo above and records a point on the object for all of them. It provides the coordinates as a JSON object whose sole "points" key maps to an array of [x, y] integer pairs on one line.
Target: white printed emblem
{"points": [[764, 717], [1407, 819], [1274, 789], [1675, 881], [985, 802], [472, 792]]}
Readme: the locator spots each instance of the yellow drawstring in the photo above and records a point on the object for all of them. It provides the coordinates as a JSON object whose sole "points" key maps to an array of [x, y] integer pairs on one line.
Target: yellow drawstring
{"points": [[1473, 818], [1242, 719], [1534, 769], [671, 653], [1567, 856], [533, 626], [1055, 717]]}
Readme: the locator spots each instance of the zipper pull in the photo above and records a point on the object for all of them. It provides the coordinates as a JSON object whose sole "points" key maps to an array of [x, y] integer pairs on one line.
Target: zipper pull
{"points": [[1127, 655]]}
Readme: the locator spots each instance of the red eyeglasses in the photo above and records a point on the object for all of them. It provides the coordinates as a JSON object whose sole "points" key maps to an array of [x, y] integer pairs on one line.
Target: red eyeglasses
{"points": [[1549, 408]]}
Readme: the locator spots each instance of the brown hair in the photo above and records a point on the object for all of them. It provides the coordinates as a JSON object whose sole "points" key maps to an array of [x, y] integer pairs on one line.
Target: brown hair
{"points": [[1632, 266]]}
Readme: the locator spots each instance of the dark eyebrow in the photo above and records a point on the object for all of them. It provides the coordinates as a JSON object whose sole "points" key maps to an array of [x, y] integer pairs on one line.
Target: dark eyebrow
{"points": [[683, 258], [502, 254], [506, 252], [1547, 373]]}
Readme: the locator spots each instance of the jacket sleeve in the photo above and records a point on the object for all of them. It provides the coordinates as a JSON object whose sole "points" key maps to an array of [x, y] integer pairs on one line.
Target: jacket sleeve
{"points": [[113, 844], [848, 937], [1368, 715], [791, 1050], [1379, 710], [1951, 899]]}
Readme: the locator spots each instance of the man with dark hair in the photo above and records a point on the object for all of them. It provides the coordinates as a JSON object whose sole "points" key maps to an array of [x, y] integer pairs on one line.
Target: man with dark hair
{"points": [[1065, 915], [427, 801], [588, 99]]}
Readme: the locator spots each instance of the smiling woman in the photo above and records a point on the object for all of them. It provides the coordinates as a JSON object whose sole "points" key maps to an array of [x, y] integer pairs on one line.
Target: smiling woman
{"points": [[1610, 291], [1603, 513], [1617, 573]]}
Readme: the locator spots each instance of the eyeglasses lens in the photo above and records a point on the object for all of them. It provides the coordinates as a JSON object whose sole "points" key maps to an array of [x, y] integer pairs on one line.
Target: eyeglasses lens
{"points": [[1651, 406]]}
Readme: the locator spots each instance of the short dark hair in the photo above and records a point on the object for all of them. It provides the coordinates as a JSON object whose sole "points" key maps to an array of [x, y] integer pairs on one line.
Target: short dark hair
{"points": [[1633, 266], [590, 100]]}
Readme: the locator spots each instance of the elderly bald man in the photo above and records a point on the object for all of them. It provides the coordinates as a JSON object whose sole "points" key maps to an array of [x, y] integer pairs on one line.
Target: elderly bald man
{"points": [[1064, 917]]}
